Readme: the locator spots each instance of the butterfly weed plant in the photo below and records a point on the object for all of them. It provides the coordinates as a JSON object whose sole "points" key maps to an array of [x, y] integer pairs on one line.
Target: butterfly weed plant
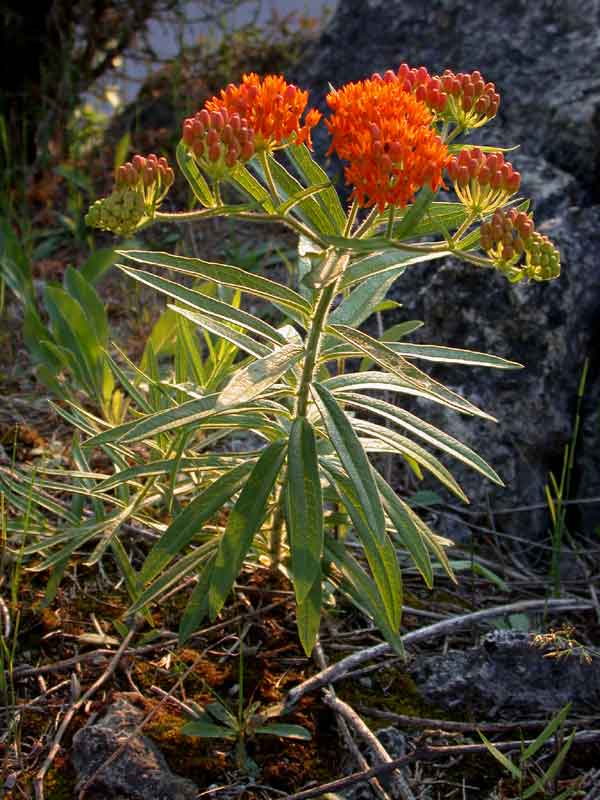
{"points": [[304, 488]]}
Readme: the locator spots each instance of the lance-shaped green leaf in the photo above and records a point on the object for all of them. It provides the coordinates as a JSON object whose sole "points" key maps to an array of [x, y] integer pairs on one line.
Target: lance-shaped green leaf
{"points": [[288, 187], [151, 424], [210, 324], [422, 385], [197, 606], [406, 447], [174, 575], [308, 616], [207, 305], [194, 177], [224, 275], [415, 213], [245, 518], [313, 173], [197, 464], [189, 522], [305, 516], [452, 355], [362, 590], [251, 381], [245, 180], [425, 431], [385, 261], [285, 731], [352, 456], [380, 555], [358, 307], [409, 533]]}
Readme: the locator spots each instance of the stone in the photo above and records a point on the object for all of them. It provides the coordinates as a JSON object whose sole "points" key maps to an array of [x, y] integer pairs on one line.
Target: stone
{"points": [[507, 677], [543, 58], [139, 772], [394, 742]]}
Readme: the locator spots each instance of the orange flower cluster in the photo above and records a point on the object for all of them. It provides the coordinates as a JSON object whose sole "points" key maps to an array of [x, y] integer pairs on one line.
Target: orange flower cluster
{"points": [[482, 181], [273, 110], [150, 176], [386, 135]]}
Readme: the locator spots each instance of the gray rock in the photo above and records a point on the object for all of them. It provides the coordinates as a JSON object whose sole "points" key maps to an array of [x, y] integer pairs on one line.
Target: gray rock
{"points": [[543, 58], [394, 742], [506, 676], [139, 772]]}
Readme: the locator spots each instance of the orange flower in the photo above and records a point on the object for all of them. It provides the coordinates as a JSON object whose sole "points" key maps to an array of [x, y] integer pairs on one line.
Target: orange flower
{"points": [[272, 107], [386, 135]]}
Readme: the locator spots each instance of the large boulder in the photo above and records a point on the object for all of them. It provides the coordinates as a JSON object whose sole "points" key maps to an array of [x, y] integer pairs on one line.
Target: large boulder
{"points": [[543, 58]]}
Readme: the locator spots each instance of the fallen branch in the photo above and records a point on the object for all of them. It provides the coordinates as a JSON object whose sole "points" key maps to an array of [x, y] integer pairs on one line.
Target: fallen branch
{"points": [[429, 754], [339, 670]]}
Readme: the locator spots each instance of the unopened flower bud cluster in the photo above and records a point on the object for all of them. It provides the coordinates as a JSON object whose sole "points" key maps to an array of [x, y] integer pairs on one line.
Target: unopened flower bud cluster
{"points": [[482, 181], [121, 212], [463, 99], [517, 249], [150, 176], [218, 140]]}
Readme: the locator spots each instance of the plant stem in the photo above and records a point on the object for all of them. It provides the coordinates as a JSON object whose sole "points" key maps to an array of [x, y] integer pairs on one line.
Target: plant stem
{"points": [[268, 175], [313, 345]]}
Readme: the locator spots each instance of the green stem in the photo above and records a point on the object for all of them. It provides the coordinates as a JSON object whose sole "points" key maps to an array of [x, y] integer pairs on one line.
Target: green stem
{"points": [[313, 346], [191, 216], [390, 225], [268, 175]]}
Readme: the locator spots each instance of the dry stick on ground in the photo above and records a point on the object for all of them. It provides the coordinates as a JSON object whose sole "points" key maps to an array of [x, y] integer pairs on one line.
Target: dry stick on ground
{"points": [[38, 782], [443, 725], [429, 753], [343, 726], [380, 754], [339, 670]]}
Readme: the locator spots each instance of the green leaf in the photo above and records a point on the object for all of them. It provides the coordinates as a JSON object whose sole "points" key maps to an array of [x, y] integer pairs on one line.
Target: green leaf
{"points": [[352, 456], [409, 534], [309, 209], [362, 590], [406, 447], [197, 606], [305, 508], [207, 730], [552, 771], [308, 617], [189, 522], [415, 213], [87, 297], [359, 306], [499, 756], [194, 177], [224, 275], [252, 380], [380, 555], [240, 340], [245, 518], [452, 355], [408, 378], [425, 431], [378, 262], [286, 731], [245, 180], [98, 263], [548, 731], [207, 305], [312, 173]]}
